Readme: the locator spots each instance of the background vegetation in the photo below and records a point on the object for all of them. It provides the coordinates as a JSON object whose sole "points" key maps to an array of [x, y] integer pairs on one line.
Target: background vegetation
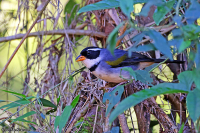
{"points": [[43, 89]]}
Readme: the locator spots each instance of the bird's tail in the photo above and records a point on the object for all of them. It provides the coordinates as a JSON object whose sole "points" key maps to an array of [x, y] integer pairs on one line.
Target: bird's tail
{"points": [[167, 61]]}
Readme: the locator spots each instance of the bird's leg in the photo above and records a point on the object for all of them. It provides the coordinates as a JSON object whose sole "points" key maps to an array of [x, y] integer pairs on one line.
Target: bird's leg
{"points": [[111, 89]]}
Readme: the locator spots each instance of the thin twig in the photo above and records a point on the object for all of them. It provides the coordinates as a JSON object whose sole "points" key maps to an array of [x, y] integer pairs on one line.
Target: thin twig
{"points": [[24, 37], [95, 120]]}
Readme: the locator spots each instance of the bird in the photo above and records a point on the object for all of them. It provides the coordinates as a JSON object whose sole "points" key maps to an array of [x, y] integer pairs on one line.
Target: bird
{"points": [[107, 66]]}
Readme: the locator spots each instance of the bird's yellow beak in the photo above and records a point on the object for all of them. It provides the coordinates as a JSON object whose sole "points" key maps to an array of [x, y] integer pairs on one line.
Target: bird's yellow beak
{"points": [[80, 58]]}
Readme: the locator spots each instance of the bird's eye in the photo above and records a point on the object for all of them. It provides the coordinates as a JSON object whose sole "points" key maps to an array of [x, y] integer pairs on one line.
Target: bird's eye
{"points": [[88, 53]]}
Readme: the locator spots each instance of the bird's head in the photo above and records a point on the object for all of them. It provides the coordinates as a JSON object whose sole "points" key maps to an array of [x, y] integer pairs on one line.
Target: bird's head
{"points": [[90, 56]]}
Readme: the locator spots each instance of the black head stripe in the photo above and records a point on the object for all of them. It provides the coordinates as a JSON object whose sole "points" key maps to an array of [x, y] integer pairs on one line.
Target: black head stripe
{"points": [[91, 52]]}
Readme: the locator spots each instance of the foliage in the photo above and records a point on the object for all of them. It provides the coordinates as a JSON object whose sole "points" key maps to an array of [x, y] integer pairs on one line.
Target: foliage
{"points": [[184, 36], [59, 99]]}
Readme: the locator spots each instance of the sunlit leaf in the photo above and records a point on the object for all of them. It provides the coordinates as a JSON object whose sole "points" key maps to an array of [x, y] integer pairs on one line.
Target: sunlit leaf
{"points": [[193, 104]]}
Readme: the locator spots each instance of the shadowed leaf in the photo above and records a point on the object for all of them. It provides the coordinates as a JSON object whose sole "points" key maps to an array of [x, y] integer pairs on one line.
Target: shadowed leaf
{"points": [[113, 97], [164, 88], [193, 104]]}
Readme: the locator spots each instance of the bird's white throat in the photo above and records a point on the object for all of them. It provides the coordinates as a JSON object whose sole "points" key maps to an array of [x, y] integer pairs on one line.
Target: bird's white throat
{"points": [[91, 62]]}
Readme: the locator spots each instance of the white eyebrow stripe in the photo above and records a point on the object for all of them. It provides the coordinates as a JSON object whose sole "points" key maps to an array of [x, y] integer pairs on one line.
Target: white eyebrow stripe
{"points": [[94, 49]]}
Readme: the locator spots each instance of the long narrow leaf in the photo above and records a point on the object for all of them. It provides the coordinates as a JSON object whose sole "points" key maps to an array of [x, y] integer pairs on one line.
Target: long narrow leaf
{"points": [[165, 88], [12, 92], [24, 116]]}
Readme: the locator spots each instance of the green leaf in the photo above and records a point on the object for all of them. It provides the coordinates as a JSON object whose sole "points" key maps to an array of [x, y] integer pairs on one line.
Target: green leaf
{"points": [[28, 121], [196, 73], [175, 43], [181, 129], [75, 101], [190, 32], [58, 100], [186, 78], [142, 48], [47, 103], [126, 6], [160, 42], [161, 11], [15, 104], [114, 130], [193, 12], [145, 10], [177, 33], [131, 72], [184, 45], [104, 4], [113, 97], [197, 57], [70, 8], [134, 99], [70, 81], [112, 38], [143, 76], [12, 92], [177, 19], [64, 117], [24, 116], [147, 47], [193, 104], [42, 115], [56, 122], [51, 111]]}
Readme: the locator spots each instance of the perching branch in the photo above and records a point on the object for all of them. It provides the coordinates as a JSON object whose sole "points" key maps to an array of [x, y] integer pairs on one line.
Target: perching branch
{"points": [[55, 32]]}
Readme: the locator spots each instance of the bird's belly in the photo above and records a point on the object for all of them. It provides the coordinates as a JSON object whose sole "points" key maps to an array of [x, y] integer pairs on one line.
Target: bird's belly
{"points": [[112, 77]]}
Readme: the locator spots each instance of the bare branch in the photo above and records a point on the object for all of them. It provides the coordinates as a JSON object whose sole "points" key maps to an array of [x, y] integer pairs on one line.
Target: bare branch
{"points": [[55, 32]]}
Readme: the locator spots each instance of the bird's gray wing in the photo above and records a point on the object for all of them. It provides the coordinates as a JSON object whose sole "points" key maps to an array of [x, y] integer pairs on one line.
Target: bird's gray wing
{"points": [[121, 58]]}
